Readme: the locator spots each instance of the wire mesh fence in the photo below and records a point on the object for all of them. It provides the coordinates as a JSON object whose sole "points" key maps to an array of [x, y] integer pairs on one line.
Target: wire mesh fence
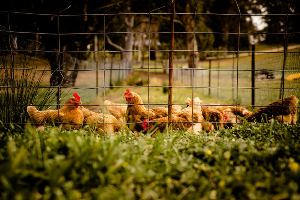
{"points": [[102, 63]]}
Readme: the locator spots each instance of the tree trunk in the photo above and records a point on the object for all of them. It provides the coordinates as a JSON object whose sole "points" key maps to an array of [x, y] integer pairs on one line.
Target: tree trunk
{"points": [[191, 41], [154, 38], [127, 52], [74, 73], [55, 61], [225, 36], [141, 41], [192, 47]]}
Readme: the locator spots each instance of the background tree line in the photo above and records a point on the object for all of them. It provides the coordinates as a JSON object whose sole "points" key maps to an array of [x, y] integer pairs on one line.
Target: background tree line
{"points": [[215, 29]]}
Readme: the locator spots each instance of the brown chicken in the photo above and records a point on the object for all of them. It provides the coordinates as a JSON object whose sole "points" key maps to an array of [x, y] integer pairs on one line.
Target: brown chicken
{"points": [[136, 111], [102, 122], [283, 110], [214, 116], [189, 119], [117, 110], [41, 118], [232, 114], [176, 123], [220, 116], [70, 115]]}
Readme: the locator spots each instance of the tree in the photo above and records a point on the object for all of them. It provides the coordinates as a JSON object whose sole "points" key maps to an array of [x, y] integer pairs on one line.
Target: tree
{"points": [[281, 23], [189, 22], [191, 42], [135, 27], [126, 51], [53, 25], [226, 25]]}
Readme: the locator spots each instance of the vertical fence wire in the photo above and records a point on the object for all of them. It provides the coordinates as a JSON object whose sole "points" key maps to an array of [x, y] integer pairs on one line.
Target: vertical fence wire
{"points": [[238, 54], [148, 62], [104, 66], [285, 49], [12, 64], [59, 54]]}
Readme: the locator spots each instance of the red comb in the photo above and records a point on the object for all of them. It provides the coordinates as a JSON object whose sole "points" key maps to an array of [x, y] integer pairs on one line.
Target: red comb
{"points": [[127, 91], [145, 124], [77, 97]]}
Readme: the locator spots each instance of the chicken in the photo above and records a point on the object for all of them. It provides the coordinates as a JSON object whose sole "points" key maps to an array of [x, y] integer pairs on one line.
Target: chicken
{"points": [[221, 116], [283, 110], [136, 111], [41, 118], [117, 110], [189, 119], [70, 115], [193, 112], [232, 114], [102, 122], [215, 116], [135, 105], [176, 123], [224, 116], [195, 107]]}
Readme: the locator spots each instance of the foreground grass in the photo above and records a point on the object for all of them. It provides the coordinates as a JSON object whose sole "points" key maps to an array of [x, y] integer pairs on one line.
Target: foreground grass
{"points": [[247, 162]]}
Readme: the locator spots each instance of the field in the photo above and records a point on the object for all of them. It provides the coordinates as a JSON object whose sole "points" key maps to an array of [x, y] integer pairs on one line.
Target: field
{"points": [[231, 78], [229, 83], [247, 162]]}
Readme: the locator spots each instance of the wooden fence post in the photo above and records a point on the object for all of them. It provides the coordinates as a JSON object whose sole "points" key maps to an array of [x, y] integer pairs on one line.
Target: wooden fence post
{"points": [[170, 93], [253, 76]]}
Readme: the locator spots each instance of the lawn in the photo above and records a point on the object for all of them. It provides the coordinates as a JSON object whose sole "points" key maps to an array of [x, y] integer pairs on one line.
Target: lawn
{"points": [[231, 78]]}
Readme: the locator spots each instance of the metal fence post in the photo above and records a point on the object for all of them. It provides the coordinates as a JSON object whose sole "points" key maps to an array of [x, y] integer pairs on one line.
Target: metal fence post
{"points": [[209, 77], [285, 49]]}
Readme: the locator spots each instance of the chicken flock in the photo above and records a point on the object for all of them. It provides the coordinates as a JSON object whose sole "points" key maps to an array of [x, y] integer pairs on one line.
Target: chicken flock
{"points": [[194, 117]]}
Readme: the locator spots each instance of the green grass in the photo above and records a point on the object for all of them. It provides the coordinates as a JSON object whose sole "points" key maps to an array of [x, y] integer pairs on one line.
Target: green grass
{"points": [[247, 162], [227, 86], [231, 87]]}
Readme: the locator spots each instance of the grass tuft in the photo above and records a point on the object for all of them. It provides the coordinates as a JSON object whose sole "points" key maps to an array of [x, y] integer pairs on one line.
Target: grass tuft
{"points": [[20, 87]]}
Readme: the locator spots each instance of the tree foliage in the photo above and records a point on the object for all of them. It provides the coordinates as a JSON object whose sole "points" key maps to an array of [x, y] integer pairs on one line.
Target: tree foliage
{"points": [[282, 23]]}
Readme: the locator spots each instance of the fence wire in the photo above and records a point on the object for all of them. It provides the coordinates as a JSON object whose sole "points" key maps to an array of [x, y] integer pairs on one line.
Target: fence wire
{"points": [[106, 69]]}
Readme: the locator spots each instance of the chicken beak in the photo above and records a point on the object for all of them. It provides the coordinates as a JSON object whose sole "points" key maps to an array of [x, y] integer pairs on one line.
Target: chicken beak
{"points": [[127, 98], [77, 103]]}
